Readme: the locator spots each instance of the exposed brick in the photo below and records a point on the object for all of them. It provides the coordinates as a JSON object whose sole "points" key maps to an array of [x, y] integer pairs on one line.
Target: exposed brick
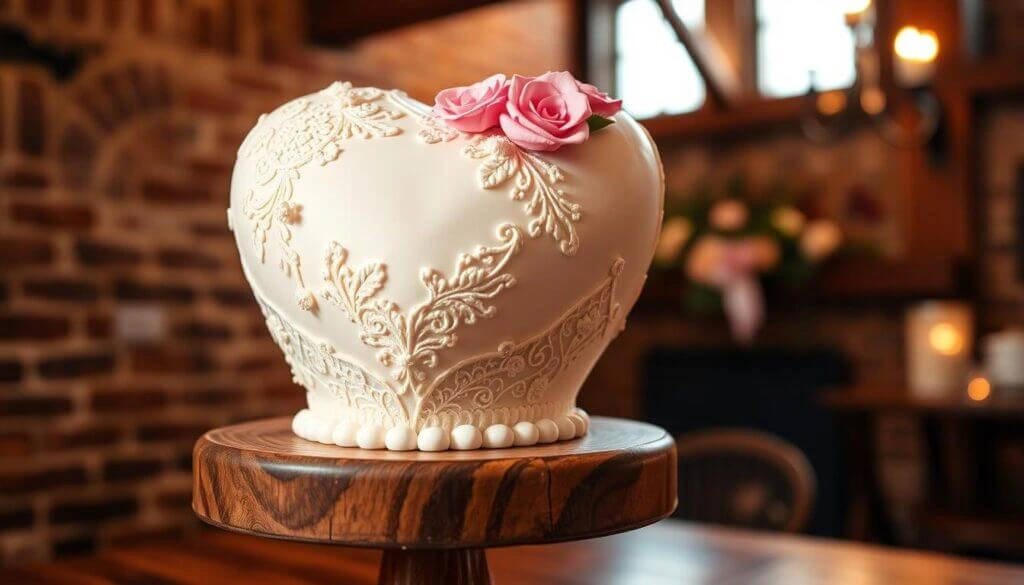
{"points": [[175, 499], [26, 179], [15, 444], [34, 327], [131, 469], [202, 331], [24, 251], [74, 366], [53, 215], [162, 191], [127, 399], [257, 364], [62, 289], [17, 518], [210, 230], [94, 253], [209, 101], [11, 370], [34, 406], [93, 510], [27, 480], [213, 396], [170, 431], [129, 290], [164, 361], [99, 326], [89, 436], [78, 150], [32, 117], [233, 297], [177, 258]]}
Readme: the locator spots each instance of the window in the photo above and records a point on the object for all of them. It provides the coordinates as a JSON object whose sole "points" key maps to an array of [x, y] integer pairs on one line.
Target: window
{"points": [[798, 40], [654, 73]]}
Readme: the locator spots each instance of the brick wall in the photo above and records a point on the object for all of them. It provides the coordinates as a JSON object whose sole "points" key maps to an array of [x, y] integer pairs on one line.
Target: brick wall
{"points": [[113, 187]]}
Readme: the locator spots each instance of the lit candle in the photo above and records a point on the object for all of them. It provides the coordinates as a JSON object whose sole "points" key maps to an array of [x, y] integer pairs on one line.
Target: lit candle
{"points": [[914, 53], [939, 341]]}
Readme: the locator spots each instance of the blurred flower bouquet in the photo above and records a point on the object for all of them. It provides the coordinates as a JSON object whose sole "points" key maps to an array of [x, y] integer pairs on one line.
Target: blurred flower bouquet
{"points": [[729, 245]]}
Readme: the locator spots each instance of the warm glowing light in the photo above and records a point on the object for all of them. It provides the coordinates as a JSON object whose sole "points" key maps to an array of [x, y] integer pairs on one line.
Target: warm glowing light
{"points": [[831, 103], [856, 6], [979, 389], [945, 339], [917, 45], [872, 100]]}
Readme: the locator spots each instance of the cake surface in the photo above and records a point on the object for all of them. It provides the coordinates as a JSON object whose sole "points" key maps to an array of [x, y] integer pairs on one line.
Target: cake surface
{"points": [[433, 288]]}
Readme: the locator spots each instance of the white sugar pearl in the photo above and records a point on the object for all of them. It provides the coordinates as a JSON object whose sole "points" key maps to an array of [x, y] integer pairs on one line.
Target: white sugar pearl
{"points": [[583, 414], [400, 439], [433, 439], [579, 423], [566, 430], [526, 434], [498, 437], [547, 431], [299, 422], [322, 431], [344, 434], [466, 437], [370, 437]]}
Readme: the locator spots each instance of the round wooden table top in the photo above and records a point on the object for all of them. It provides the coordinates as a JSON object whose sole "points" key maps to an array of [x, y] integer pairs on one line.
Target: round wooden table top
{"points": [[259, 478]]}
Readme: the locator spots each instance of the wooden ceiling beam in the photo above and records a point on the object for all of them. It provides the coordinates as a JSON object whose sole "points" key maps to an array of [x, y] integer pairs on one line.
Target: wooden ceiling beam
{"points": [[720, 78]]}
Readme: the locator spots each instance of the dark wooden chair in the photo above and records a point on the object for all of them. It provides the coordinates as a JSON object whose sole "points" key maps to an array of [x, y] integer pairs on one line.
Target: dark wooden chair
{"points": [[742, 477]]}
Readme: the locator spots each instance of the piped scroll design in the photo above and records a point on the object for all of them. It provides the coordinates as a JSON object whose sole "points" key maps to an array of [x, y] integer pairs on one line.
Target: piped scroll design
{"points": [[291, 137], [533, 179], [409, 343], [319, 368], [523, 371]]}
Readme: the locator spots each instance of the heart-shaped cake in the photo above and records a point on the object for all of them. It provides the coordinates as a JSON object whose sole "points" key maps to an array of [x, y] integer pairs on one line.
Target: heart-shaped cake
{"points": [[434, 287]]}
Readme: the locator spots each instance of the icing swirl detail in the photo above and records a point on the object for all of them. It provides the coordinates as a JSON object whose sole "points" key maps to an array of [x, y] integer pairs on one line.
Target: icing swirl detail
{"points": [[287, 139], [409, 343]]}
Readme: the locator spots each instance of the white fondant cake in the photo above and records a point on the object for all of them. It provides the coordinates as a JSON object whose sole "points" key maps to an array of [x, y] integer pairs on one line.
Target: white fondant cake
{"points": [[434, 289]]}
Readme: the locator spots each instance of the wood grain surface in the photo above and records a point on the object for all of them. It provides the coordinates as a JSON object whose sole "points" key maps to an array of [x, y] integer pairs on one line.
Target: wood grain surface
{"points": [[667, 553], [258, 478]]}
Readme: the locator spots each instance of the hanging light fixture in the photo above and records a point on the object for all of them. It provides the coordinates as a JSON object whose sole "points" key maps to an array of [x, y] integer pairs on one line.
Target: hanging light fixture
{"points": [[832, 114]]}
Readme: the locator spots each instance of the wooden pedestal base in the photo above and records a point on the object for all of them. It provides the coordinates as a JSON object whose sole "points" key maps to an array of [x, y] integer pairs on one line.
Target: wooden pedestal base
{"points": [[461, 566], [434, 513]]}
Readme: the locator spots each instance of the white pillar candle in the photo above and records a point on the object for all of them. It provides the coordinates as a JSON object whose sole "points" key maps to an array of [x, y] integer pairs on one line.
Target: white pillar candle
{"points": [[939, 337]]}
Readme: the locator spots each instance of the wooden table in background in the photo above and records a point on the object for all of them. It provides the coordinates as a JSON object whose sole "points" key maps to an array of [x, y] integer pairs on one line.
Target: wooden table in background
{"points": [[954, 515], [667, 553]]}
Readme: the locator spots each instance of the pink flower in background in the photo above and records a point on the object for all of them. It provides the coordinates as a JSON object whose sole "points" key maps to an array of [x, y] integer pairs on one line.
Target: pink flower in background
{"points": [[600, 103], [473, 108], [546, 112]]}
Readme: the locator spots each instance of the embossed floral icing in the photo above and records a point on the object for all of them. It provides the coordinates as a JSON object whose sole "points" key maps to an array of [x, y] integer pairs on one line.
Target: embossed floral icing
{"points": [[442, 341]]}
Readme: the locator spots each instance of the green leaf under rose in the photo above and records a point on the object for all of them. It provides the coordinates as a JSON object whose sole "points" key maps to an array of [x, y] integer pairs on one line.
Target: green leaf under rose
{"points": [[595, 122]]}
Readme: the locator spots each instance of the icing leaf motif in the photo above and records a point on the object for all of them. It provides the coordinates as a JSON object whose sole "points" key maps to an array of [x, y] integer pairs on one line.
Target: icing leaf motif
{"points": [[535, 181], [523, 371], [409, 344], [433, 130], [319, 368], [292, 136]]}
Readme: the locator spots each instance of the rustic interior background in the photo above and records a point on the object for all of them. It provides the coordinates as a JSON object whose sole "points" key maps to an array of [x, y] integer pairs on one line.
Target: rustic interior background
{"points": [[114, 172]]}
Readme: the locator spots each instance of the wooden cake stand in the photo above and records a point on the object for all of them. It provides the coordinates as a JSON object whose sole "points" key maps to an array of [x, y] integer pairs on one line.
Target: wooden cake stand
{"points": [[433, 513]]}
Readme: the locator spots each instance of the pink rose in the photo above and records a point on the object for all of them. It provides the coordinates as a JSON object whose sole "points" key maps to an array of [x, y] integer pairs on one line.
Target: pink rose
{"points": [[473, 108], [546, 112], [600, 102]]}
